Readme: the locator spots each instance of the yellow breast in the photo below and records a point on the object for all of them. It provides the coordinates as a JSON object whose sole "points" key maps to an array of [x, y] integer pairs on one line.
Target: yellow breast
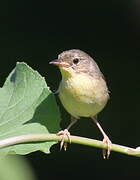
{"points": [[83, 95]]}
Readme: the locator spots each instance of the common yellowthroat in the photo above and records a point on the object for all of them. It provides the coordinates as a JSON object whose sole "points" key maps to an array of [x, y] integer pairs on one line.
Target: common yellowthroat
{"points": [[82, 90]]}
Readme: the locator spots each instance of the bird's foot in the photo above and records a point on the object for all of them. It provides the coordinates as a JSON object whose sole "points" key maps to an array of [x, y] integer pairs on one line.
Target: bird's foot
{"points": [[64, 133], [106, 152]]}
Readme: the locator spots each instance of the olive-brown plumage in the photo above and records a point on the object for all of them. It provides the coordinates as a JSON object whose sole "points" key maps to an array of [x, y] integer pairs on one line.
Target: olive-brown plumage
{"points": [[82, 90]]}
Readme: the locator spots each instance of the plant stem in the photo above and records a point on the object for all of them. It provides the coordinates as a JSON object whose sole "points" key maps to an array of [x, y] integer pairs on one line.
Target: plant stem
{"points": [[74, 139]]}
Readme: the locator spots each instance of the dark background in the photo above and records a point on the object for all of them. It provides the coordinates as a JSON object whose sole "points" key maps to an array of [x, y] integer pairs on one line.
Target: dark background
{"points": [[37, 31]]}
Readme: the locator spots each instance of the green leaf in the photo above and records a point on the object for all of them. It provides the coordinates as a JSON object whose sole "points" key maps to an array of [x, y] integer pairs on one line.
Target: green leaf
{"points": [[16, 168], [27, 106]]}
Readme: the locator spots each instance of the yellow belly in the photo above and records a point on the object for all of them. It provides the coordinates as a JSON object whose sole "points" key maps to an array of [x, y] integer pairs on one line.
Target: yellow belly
{"points": [[83, 96]]}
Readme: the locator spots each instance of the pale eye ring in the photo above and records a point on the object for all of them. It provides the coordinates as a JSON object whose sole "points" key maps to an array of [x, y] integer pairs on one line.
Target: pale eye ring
{"points": [[76, 61]]}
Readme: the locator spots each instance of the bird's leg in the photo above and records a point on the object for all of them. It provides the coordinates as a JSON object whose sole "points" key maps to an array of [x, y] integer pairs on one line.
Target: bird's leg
{"points": [[106, 140], [65, 133]]}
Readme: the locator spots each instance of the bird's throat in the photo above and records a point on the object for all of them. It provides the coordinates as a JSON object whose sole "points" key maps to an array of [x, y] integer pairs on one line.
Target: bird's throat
{"points": [[66, 73]]}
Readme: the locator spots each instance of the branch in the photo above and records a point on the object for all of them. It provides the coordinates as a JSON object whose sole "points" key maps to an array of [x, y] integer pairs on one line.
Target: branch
{"points": [[74, 139]]}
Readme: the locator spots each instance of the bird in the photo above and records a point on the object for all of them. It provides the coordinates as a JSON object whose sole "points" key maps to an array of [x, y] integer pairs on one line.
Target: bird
{"points": [[82, 91]]}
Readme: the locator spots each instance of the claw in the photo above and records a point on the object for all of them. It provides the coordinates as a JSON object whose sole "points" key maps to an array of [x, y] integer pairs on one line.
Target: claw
{"points": [[64, 133], [106, 152]]}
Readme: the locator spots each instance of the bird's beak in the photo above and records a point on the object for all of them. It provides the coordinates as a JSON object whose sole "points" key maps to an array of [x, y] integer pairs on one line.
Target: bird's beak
{"points": [[58, 62]]}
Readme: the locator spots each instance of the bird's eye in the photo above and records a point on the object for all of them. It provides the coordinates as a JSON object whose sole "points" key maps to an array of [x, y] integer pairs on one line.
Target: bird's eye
{"points": [[76, 61]]}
